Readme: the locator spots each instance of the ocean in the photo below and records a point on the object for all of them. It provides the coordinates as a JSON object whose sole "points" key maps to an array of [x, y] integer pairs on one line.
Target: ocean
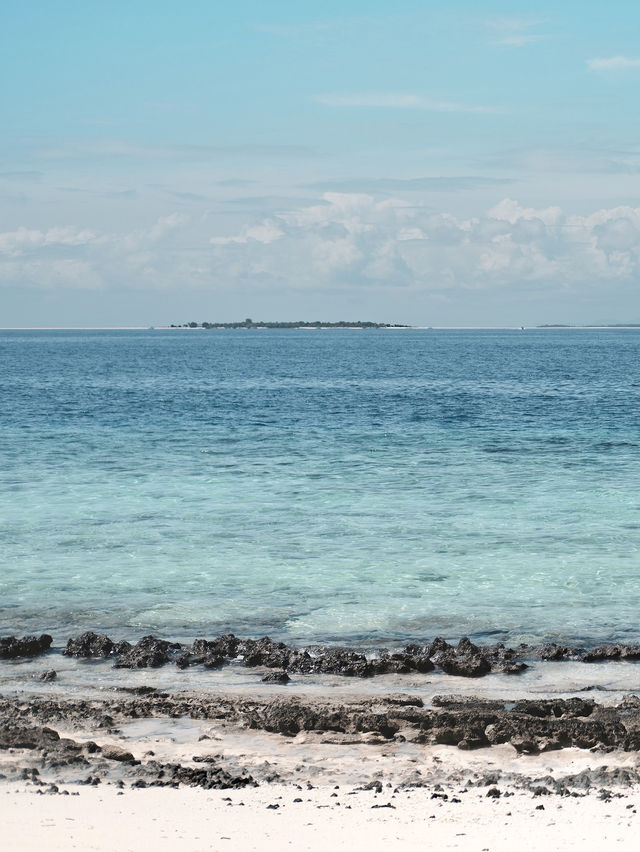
{"points": [[359, 487]]}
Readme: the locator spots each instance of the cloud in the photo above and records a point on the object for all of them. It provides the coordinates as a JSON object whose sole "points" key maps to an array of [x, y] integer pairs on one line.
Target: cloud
{"points": [[514, 32], [398, 100], [344, 242], [70, 257], [355, 240], [23, 240], [612, 63], [265, 232]]}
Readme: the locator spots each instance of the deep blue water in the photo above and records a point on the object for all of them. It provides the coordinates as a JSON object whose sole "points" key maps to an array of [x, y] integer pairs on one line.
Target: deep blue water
{"points": [[321, 485]]}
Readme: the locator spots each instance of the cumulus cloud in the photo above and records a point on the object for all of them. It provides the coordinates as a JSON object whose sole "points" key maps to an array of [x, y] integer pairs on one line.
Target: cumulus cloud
{"points": [[612, 63], [343, 241], [356, 240], [68, 256]]}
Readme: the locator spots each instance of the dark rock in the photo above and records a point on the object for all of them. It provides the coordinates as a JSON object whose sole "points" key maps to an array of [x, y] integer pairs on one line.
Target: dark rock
{"points": [[556, 707], [276, 677], [138, 690], [213, 661], [504, 660], [417, 658], [512, 668], [264, 652], [114, 752], [29, 737], [333, 661], [465, 660], [173, 774], [343, 662], [224, 646], [29, 646], [149, 652], [549, 744], [551, 651], [612, 652], [89, 644], [49, 675], [404, 700], [493, 793], [438, 646], [376, 723], [210, 660], [391, 664], [467, 703], [401, 663]]}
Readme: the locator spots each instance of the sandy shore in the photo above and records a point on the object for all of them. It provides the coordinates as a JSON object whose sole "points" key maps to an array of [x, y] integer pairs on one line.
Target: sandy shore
{"points": [[279, 817], [208, 770]]}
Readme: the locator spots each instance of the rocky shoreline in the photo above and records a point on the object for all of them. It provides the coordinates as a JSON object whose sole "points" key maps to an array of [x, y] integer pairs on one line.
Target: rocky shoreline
{"points": [[52, 741], [126, 734], [465, 659]]}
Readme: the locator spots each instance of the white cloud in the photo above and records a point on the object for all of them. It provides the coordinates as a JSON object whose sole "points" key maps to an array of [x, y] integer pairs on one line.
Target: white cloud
{"points": [[511, 211], [612, 63], [15, 243], [357, 240], [265, 232], [398, 100], [345, 242]]}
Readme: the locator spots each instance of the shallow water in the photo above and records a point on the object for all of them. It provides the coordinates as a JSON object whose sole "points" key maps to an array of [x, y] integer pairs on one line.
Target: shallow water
{"points": [[321, 486], [605, 683]]}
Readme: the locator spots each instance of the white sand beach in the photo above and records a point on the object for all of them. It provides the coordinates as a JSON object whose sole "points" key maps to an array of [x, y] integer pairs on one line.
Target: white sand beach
{"points": [[279, 817]]}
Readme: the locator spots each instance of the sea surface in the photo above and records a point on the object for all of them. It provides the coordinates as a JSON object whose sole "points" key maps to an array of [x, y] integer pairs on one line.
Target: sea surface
{"points": [[344, 486]]}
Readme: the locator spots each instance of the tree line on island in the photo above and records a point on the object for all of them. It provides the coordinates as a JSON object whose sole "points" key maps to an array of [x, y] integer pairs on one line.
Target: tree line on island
{"points": [[249, 323]]}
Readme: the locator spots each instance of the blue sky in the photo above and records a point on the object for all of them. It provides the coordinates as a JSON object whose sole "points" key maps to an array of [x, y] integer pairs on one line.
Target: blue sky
{"points": [[434, 163]]}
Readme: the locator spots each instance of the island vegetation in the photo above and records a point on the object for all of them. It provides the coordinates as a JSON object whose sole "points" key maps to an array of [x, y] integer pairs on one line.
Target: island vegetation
{"points": [[249, 323]]}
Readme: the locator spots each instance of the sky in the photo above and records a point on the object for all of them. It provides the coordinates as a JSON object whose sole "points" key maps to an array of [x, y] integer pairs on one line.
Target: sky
{"points": [[431, 163]]}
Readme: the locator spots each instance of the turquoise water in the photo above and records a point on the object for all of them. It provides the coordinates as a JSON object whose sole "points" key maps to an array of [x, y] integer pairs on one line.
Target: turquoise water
{"points": [[347, 486]]}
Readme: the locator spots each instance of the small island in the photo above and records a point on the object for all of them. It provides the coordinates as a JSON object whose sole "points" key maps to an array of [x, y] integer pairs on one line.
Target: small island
{"points": [[317, 324]]}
